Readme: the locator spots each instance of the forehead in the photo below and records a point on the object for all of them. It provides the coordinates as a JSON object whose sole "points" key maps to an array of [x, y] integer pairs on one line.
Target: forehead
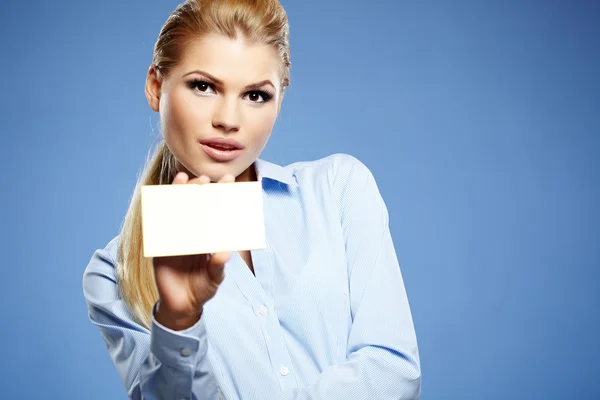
{"points": [[234, 61]]}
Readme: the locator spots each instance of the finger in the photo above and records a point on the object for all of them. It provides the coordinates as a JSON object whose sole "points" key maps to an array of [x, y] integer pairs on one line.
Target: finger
{"points": [[216, 266], [227, 178], [180, 178], [201, 180]]}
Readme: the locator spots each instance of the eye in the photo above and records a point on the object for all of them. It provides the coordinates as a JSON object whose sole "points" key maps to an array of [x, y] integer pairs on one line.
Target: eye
{"points": [[201, 86], [259, 96]]}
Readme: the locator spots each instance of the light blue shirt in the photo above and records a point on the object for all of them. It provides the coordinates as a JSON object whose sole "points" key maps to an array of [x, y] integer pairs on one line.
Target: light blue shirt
{"points": [[326, 316]]}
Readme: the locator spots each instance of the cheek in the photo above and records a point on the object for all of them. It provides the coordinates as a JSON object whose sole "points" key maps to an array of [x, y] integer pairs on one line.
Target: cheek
{"points": [[260, 122], [183, 117]]}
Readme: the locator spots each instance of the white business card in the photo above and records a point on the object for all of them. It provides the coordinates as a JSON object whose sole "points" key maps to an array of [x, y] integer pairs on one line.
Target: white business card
{"points": [[198, 219]]}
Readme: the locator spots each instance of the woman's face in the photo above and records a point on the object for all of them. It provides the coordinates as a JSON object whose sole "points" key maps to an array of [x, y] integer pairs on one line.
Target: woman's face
{"points": [[221, 88]]}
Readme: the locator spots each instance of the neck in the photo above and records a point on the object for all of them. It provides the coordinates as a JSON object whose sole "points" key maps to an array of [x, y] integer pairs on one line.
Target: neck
{"points": [[249, 175]]}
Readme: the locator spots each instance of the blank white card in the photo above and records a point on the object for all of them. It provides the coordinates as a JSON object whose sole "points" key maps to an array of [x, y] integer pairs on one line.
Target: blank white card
{"points": [[198, 219]]}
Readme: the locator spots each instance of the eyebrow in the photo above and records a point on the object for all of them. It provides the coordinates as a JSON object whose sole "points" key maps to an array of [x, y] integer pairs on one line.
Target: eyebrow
{"points": [[220, 82]]}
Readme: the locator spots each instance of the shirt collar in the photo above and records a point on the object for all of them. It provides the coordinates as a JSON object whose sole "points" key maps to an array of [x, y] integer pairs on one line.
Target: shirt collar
{"points": [[269, 170]]}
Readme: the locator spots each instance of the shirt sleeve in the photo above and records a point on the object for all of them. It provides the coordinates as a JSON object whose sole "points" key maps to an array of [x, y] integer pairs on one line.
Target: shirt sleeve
{"points": [[153, 364], [383, 360]]}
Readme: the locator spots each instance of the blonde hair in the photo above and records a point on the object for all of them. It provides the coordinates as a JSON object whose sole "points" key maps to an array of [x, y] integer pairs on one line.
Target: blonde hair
{"points": [[260, 21]]}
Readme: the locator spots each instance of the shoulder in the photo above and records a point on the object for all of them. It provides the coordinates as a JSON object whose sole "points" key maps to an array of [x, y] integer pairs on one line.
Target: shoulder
{"points": [[336, 170], [107, 254], [342, 179], [100, 275]]}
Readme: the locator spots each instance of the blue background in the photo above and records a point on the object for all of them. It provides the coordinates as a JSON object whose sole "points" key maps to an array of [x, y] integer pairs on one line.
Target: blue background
{"points": [[479, 120]]}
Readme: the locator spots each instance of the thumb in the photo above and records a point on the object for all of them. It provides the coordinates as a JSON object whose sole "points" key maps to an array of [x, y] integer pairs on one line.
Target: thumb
{"points": [[216, 266]]}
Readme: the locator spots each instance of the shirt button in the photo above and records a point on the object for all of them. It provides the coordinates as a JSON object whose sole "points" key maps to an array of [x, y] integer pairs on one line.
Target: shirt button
{"points": [[284, 370], [263, 310], [185, 351]]}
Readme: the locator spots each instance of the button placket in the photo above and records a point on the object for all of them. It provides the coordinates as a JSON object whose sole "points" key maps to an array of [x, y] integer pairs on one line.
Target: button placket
{"points": [[185, 352], [284, 371], [263, 310]]}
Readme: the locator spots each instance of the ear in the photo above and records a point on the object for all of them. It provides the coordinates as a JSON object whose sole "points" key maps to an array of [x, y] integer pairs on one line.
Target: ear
{"points": [[153, 88]]}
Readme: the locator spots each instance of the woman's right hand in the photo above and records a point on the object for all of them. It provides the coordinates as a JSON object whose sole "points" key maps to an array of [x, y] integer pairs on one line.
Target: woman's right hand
{"points": [[185, 283]]}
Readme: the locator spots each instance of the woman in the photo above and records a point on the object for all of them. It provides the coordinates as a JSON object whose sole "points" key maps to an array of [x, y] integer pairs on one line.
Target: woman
{"points": [[321, 312]]}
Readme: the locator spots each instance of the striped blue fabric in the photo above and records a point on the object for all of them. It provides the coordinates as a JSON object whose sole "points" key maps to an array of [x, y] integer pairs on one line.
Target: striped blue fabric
{"points": [[324, 317]]}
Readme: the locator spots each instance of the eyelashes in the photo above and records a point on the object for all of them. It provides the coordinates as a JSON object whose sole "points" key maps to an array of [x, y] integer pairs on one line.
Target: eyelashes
{"points": [[199, 85], [255, 96]]}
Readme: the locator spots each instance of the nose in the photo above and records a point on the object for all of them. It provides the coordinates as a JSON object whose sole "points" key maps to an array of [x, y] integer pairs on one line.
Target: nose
{"points": [[226, 116]]}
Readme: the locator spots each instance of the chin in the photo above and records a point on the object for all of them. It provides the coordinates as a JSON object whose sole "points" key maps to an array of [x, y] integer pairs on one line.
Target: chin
{"points": [[214, 170]]}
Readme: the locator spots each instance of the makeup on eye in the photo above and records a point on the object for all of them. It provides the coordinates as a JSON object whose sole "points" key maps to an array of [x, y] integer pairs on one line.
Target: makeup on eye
{"points": [[197, 84], [203, 85]]}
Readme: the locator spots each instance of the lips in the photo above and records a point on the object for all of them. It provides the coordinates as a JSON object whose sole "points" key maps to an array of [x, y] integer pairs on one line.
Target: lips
{"points": [[222, 149], [223, 144]]}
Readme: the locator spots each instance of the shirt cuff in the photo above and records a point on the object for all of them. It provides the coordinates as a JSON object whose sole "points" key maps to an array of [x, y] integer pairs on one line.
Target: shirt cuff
{"points": [[178, 349]]}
